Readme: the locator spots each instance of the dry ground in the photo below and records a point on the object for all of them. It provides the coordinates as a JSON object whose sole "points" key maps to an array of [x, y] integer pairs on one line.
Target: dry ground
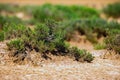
{"points": [[61, 68], [68, 69], [91, 3]]}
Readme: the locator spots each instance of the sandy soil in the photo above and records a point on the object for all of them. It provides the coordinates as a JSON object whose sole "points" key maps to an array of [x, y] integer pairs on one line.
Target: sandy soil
{"points": [[91, 3], [64, 70]]}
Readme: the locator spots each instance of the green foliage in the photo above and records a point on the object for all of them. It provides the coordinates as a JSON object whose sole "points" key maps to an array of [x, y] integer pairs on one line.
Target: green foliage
{"points": [[84, 12], [14, 20], [8, 20], [88, 57], [50, 36], [16, 44], [116, 43], [113, 27], [93, 28], [42, 31], [91, 37], [28, 9], [60, 13], [13, 31], [2, 21], [87, 27], [81, 55], [113, 42], [1, 36], [99, 46], [9, 8], [112, 10], [45, 38], [18, 49]]}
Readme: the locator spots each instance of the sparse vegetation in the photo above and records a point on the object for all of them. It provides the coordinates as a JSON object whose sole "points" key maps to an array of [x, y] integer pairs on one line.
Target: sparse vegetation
{"points": [[60, 13], [1, 36], [9, 8], [9, 20], [112, 10], [99, 46], [81, 55], [16, 44], [13, 31], [93, 28], [53, 27], [59, 41], [113, 42], [45, 38]]}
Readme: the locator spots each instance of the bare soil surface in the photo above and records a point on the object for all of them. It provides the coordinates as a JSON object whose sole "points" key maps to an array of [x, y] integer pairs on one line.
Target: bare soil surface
{"points": [[99, 69], [90, 3]]}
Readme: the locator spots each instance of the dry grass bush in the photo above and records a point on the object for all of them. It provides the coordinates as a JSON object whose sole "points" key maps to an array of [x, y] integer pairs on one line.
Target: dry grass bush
{"points": [[44, 38]]}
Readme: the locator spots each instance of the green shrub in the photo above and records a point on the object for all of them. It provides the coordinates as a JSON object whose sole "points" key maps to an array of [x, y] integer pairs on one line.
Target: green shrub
{"points": [[28, 9], [84, 12], [16, 44], [42, 31], [112, 25], [9, 8], [81, 55], [91, 37], [116, 43], [18, 49], [2, 21], [60, 12], [99, 46], [88, 57], [93, 28], [50, 35], [1, 36], [88, 27], [112, 10], [113, 42], [45, 38], [29, 38], [13, 31], [9, 20], [77, 53], [14, 20]]}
